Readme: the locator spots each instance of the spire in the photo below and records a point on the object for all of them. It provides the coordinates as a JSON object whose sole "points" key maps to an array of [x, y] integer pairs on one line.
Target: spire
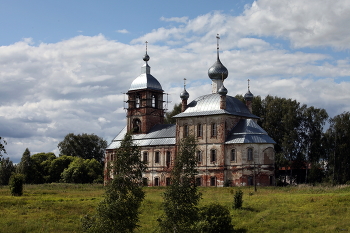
{"points": [[248, 96], [184, 94], [146, 68], [217, 72]]}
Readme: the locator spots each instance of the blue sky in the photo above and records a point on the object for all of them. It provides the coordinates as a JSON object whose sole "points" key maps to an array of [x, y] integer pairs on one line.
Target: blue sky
{"points": [[64, 65]]}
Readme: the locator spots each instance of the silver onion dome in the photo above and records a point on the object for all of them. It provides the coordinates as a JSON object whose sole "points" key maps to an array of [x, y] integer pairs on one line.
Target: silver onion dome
{"points": [[217, 70], [248, 96], [184, 95], [223, 90]]}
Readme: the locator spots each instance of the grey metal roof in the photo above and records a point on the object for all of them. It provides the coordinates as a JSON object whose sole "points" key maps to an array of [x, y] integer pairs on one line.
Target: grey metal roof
{"points": [[210, 105], [159, 135], [145, 81], [248, 131]]}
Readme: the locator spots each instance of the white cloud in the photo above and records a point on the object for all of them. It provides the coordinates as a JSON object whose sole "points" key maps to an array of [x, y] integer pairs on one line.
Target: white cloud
{"points": [[123, 31]]}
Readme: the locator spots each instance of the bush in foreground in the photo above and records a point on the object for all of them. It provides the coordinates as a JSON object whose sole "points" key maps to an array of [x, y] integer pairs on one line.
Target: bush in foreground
{"points": [[16, 184]]}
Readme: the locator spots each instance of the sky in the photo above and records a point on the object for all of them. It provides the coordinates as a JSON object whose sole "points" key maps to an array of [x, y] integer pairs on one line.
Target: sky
{"points": [[65, 65]]}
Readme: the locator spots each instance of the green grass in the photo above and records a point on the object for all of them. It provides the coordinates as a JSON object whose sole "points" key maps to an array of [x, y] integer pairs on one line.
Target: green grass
{"points": [[59, 207]]}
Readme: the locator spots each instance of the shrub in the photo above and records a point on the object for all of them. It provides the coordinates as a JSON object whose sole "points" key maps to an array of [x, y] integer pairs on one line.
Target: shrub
{"points": [[215, 218], [238, 199], [16, 184]]}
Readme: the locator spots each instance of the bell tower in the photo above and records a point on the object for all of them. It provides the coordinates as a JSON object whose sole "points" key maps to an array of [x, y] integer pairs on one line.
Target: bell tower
{"points": [[145, 101]]}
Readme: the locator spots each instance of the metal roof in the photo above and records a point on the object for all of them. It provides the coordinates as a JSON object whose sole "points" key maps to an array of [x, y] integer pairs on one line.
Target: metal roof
{"points": [[158, 135], [248, 131], [210, 105], [145, 81]]}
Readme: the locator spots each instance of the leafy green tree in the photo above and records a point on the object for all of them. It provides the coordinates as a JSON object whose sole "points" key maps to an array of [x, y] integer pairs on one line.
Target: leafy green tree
{"points": [[2, 146], [57, 166], [181, 197], [238, 199], [86, 146], [6, 169], [41, 165], [215, 218], [16, 184], [119, 211], [338, 152], [82, 171], [169, 115]]}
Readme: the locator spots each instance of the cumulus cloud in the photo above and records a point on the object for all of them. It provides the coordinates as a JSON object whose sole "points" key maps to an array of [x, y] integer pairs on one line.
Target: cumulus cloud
{"points": [[76, 85]]}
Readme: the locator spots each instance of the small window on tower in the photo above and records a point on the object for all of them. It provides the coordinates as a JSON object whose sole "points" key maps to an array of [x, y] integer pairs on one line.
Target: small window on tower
{"points": [[233, 155], [156, 157], [137, 101], [250, 154], [136, 128], [185, 130], [154, 101]]}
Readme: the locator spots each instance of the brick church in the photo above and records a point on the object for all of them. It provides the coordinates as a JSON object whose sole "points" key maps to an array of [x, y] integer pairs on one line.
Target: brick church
{"points": [[232, 149]]}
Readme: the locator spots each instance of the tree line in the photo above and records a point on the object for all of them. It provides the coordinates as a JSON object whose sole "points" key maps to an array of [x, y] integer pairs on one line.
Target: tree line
{"points": [[308, 152], [80, 161]]}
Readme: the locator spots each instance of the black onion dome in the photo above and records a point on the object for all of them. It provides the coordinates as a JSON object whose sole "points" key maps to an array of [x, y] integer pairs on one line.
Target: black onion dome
{"points": [[248, 96], [218, 71], [222, 90], [146, 57], [184, 95]]}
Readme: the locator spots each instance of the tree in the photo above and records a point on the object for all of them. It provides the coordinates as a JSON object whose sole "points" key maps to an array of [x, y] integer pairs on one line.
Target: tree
{"points": [[2, 146], [119, 211], [57, 166], [25, 167], [82, 171], [86, 146], [181, 197], [169, 115], [337, 139], [6, 169]]}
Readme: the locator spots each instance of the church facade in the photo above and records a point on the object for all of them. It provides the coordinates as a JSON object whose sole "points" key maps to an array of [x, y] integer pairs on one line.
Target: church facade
{"points": [[232, 149]]}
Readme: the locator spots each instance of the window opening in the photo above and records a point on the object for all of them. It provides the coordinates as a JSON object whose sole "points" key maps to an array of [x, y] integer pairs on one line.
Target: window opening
{"points": [[168, 158], [154, 101], [233, 155], [167, 181], [185, 130], [213, 181], [213, 129], [212, 156], [199, 156], [145, 157], [156, 181], [199, 130], [137, 101], [156, 157], [250, 154], [199, 181]]}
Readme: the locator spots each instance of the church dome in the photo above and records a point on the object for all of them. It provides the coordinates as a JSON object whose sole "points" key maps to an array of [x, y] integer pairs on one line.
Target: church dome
{"points": [[222, 90], [184, 95], [218, 71], [210, 105], [145, 80], [248, 96]]}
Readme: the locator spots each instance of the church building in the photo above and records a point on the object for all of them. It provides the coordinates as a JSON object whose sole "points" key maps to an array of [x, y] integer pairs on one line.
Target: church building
{"points": [[232, 149]]}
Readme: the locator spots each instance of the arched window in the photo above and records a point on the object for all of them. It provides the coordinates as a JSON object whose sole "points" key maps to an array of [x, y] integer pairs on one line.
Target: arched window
{"points": [[145, 157], [213, 156], [136, 128], [199, 156], [199, 130], [185, 130], [213, 130], [250, 154], [168, 158], [137, 99], [233, 155], [154, 101], [156, 157]]}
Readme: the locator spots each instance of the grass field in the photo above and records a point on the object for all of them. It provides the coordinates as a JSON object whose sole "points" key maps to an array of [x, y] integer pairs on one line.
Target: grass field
{"points": [[59, 207]]}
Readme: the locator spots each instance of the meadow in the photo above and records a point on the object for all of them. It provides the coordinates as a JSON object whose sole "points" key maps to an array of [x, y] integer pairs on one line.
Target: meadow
{"points": [[59, 208]]}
